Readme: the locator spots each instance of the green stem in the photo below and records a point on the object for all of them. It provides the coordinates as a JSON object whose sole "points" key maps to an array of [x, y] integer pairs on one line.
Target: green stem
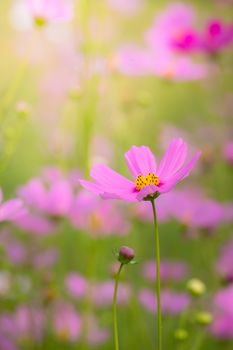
{"points": [[157, 254], [115, 326]]}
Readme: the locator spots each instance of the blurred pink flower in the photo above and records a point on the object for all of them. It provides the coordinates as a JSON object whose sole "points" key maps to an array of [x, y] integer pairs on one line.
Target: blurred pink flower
{"points": [[139, 62], [222, 326], [224, 300], [169, 270], [228, 152], [169, 26], [11, 209], [99, 218], [149, 181], [67, 323], [76, 285], [102, 293], [44, 11], [29, 323], [193, 210], [46, 259], [54, 201], [171, 302], [35, 224], [96, 335], [129, 7], [216, 37], [224, 265], [133, 61], [170, 67]]}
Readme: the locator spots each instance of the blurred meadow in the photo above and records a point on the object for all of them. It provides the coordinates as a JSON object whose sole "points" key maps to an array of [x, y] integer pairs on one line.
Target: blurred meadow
{"points": [[81, 84]]}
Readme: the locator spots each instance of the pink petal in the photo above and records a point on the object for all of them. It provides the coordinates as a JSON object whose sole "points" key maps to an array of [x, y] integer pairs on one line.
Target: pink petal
{"points": [[140, 161], [10, 209], [173, 159], [110, 180], [180, 175]]}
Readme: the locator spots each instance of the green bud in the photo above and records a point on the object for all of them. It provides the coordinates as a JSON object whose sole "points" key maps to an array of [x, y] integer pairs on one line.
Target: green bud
{"points": [[204, 318], [196, 287], [180, 334]]}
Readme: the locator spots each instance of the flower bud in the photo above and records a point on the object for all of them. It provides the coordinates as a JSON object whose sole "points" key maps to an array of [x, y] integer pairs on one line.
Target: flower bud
{"points": [[22, 109], [204, 318], [126, 255], [180, 334], [196, 287]]}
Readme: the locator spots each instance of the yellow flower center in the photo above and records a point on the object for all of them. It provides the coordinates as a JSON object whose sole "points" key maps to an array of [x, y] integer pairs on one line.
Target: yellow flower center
{"points": [[143, 181]]}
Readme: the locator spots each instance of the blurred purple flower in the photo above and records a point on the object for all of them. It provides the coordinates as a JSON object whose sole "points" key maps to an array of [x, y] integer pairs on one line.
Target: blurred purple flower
{"points": [[171, 302], [169, 270], [99, 218], [76, 285]]}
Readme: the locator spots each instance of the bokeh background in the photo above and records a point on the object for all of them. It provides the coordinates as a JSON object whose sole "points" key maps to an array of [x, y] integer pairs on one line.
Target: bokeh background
{"points": [[81, 89]]}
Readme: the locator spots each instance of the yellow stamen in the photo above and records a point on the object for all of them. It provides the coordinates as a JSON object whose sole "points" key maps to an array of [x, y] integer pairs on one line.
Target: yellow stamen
{"points": [[143, 181]]}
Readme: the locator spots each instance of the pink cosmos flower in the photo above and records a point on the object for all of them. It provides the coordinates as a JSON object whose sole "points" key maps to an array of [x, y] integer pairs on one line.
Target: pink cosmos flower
{"points": [[44, 11], [149, 180], [11, 209], [171, 303], [99, 218], [170, 271]]}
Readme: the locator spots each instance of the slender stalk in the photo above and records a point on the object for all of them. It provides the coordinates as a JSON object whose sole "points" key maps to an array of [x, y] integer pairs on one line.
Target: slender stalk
{"points": [[157, 255], [115, 325]]}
